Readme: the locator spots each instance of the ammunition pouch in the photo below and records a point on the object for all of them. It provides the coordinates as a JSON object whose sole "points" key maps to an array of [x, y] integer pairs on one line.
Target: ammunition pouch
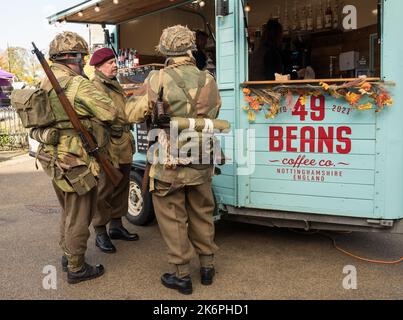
{"points": [[81, 179]]}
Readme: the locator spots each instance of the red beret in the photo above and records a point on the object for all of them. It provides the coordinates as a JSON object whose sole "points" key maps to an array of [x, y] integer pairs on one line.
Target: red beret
{"points": [[101, 55]]}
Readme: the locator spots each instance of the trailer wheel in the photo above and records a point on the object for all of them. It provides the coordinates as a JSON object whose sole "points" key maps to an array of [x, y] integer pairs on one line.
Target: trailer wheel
{"points": [[141, 211]]}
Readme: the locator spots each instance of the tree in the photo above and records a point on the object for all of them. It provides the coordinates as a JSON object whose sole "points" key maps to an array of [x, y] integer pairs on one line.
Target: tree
{"points": [[3, 61], [23, 65]]}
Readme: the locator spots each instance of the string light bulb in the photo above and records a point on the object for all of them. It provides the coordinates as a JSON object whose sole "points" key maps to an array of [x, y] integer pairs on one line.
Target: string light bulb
{"points": [[97, 8], [115, 1], [247, 7], [80, 14], [202, 4]]}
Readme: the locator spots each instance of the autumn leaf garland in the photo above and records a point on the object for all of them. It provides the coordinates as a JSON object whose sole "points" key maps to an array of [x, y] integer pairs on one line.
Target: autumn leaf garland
{"points": [[355, 92]]}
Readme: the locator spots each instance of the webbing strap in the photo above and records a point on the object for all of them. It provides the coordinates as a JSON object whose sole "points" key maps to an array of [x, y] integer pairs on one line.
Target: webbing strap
{"points": [[181, 84]]}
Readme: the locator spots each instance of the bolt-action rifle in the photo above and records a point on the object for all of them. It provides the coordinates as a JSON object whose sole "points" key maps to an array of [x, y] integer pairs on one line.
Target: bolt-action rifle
{"points": [[87, 139]]}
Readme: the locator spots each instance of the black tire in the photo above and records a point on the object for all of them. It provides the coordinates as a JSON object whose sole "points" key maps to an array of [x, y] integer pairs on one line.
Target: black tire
{"points": [[141, 210]]}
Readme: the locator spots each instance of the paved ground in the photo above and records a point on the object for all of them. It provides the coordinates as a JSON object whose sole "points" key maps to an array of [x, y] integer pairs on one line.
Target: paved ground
{"points": [[253, 263], [8, 155]]}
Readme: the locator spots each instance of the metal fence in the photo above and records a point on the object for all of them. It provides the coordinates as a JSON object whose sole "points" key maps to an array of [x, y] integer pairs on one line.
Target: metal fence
{"points": [[12, 134]]}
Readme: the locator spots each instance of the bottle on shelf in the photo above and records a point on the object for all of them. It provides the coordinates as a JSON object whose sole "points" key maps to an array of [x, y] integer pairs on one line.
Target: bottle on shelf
{"points": [[128, 58], [286, 27], [277, 14], [336, 15], [119, 55], [328, 16], [309, 18], [136, 59], [303, 19], [294, 26], [121, 58], [319, 17]]}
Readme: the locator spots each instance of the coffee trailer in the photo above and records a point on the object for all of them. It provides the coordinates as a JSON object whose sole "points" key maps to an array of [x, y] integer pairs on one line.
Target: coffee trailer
{"points": [[321, 164]]}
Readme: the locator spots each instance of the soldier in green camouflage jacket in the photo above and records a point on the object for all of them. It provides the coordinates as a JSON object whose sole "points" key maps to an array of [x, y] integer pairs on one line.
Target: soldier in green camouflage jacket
{"points": [[182, 194], [113, 201], [74, 172]]}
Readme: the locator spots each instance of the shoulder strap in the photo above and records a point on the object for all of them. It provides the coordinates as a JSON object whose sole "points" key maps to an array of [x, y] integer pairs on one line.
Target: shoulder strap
{"points": [[181, 84]]}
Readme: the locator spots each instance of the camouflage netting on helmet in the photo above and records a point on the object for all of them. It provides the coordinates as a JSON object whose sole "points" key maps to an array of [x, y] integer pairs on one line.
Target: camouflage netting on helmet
{"points": [[177, 41], [67, 42]]}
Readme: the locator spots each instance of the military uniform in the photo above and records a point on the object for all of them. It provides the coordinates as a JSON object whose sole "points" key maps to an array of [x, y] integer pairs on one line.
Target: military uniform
{"points": [[94, 109], [120, 150], [182, 196], [113, 201]]}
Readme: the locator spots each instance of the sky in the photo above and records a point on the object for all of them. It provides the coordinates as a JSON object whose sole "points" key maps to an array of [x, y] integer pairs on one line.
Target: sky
{"points": [[24, 21]]}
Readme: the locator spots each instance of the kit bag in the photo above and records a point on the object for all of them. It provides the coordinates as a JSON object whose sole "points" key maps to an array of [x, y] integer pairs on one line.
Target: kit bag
{"points": [[33, 107]]}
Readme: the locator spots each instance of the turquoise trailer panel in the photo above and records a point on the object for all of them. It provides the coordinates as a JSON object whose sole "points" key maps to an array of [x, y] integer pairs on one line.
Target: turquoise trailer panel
{"points": [[364, 181]]}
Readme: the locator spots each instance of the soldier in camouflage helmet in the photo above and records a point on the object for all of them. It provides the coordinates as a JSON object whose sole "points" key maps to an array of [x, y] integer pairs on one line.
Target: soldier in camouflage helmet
{"points": [[73, 170], [177, 41], [182, 195], [69, 47]]}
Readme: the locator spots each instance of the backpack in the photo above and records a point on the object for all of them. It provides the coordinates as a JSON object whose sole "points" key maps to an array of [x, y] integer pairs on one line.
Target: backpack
{"points": [[33, 107]]}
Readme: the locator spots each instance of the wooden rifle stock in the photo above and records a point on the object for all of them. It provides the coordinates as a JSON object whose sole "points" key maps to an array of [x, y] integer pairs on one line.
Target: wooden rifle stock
{"points": [[89, 143]]}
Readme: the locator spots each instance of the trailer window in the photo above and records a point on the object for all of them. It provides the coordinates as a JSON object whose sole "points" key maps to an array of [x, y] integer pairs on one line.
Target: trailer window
{"points": [[143, 34], [313, 39]]}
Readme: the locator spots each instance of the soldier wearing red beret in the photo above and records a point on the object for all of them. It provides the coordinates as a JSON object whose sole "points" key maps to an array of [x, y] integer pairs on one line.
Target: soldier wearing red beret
{"points": [[113, 201]]}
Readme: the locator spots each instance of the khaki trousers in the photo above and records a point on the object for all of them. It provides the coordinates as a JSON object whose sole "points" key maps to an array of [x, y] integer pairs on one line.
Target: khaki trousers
{"points": [[185, 218], [77, 214], [113, 202]]}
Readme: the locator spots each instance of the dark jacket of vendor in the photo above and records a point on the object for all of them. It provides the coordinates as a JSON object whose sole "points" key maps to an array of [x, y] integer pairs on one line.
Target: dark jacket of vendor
{"points": [[267, 59]]}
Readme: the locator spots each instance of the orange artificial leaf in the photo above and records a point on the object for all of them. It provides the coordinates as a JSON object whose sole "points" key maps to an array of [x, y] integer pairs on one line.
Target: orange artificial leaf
{"points": [[303, 100], [363, 107], [353, 98], [325, 86], [366, 86], [251, 116]]}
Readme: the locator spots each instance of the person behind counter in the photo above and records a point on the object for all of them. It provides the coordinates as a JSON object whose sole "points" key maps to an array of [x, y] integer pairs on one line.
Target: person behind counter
{"points": [[297, 60], [200, 54], [267, 59]]}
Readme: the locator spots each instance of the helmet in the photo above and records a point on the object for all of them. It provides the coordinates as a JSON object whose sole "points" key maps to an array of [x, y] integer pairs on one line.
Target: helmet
{"points": [[68, 42], [176, 41]]}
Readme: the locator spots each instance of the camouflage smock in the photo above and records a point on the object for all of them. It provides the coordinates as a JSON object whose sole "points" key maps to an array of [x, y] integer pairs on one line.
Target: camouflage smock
{"points": [[93, 108], [121, 149], [208, 105]]}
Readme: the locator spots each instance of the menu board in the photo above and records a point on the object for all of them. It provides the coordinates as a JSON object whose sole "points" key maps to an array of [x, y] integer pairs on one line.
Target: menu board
{"points": [[142, 141]]}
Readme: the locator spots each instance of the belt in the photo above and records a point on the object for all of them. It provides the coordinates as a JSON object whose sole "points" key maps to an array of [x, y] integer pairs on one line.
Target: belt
{"points": [[68, 132], [124, 128]]}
